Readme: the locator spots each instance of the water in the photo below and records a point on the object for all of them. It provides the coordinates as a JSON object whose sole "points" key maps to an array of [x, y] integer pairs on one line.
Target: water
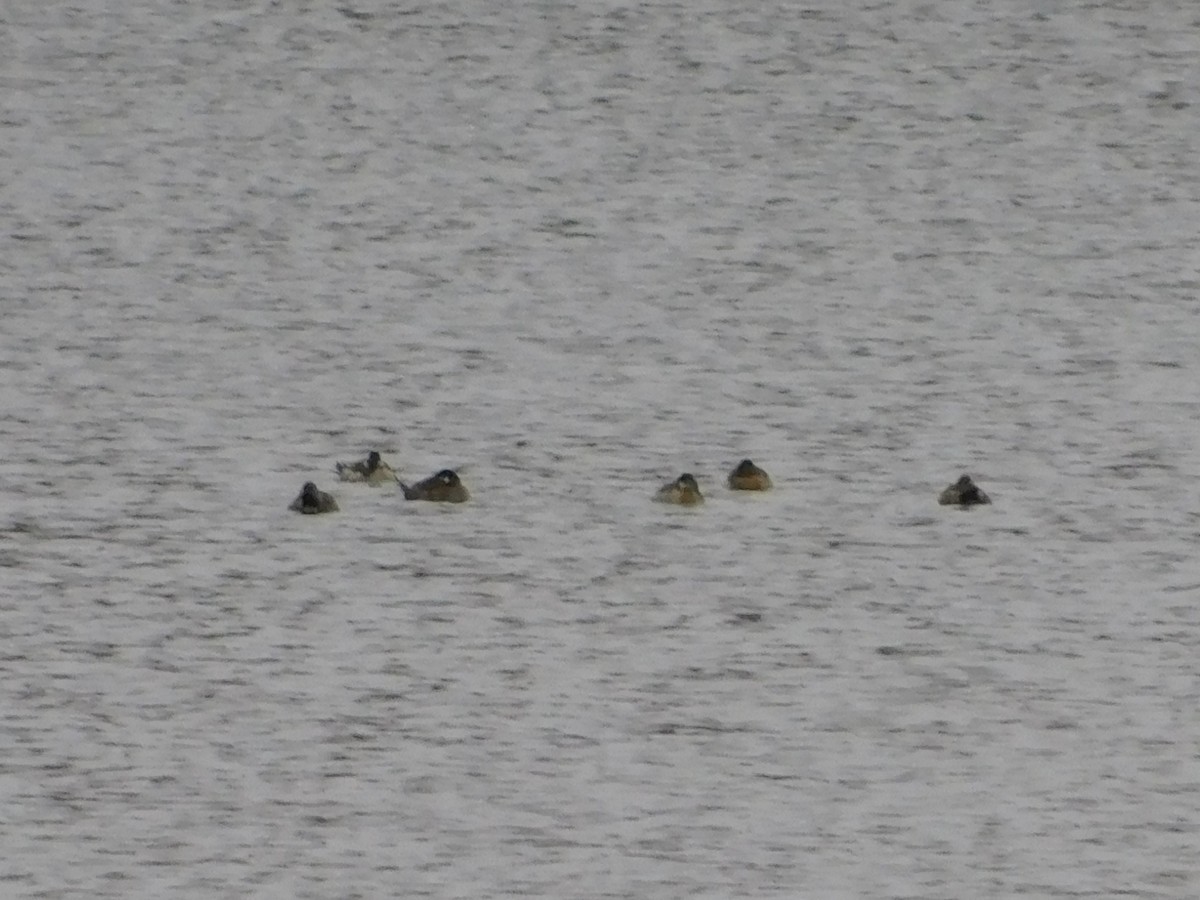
{"points": [[573, 251]]}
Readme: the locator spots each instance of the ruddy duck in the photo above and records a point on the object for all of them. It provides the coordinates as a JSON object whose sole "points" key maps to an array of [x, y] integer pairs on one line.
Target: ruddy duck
{"points": [[372, 470], [749, 477], [683, 490], [444, 487], [963, 492], [312, 501]]}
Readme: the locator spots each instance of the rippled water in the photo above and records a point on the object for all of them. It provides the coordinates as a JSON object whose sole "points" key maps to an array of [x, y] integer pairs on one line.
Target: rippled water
{"points": [[573, 251]]}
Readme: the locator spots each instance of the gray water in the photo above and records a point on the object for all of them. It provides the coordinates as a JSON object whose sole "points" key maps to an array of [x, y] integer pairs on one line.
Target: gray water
{"points": [[572, 251]]}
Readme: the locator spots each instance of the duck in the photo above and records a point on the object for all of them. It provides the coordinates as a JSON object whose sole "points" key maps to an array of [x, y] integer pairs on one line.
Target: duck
{"points": [[749, 477], [312, 501], [372, 470], [444, 487], [963, 492], [683, 491]]}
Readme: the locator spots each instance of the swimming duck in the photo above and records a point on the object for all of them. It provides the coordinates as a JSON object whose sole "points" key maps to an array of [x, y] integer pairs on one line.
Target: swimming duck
{"points": [[749, 477], [444, 487], [312, 501], [683, 491], [372, 470], [963, 492]]}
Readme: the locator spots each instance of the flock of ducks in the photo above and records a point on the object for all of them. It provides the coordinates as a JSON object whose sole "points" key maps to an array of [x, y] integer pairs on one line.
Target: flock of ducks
{"points": [[446, 487]]}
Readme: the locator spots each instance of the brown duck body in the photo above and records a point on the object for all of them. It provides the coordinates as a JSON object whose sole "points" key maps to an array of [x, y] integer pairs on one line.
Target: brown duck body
{"points": [[963, 492], [312, 501], [746, 476], [444, 487], [683, 491], [372, 470]]}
